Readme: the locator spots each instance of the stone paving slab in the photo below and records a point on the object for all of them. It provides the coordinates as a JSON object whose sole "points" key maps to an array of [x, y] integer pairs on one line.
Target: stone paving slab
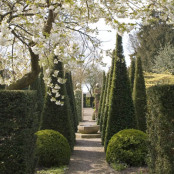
{"points": [[79, 135]]}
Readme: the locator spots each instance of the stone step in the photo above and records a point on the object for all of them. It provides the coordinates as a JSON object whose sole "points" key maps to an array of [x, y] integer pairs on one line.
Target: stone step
{"points": [[79, 135]]}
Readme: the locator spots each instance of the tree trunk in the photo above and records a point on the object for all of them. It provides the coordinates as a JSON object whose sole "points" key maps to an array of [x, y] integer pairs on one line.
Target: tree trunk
{"points": [[28, 78]]}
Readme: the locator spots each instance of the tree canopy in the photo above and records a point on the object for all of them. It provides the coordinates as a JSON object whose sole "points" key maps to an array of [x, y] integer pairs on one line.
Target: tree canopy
{"points": [[33, 30]]}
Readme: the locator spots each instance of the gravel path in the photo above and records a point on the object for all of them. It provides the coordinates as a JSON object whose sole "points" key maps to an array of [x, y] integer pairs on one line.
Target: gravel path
{"points": [[88, 156]]}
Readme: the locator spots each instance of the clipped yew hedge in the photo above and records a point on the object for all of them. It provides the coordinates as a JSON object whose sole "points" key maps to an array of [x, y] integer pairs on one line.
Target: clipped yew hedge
{"points": [[18, 123], [160, 129]]}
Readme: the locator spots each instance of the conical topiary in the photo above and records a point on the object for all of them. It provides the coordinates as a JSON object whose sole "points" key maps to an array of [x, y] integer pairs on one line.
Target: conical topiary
{"points": [[104, 102], [70, 92], [132, 72], [57, 117], [139, 96], [105, 118], [121, 110], [101, 99]]}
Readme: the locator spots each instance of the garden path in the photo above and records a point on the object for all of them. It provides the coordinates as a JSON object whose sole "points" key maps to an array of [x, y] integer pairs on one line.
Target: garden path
{"points": [[88, 156]]}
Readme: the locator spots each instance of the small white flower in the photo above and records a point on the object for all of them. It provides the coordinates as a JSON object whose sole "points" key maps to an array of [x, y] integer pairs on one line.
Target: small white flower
{"points": [[55, 61], [57, 86], [51, 7], [47, 71], [57, 95], [53, 99], [58, 103], [54, 91], [49, 93], [57, 51]]}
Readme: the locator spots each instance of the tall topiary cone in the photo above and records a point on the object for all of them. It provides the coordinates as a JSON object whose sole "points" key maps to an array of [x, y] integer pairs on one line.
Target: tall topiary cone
{"points": [[106, 109], [103, 103], [70, 92], [58, 117], [121, 110], [139, 96], [132, 72], [101, 99]]}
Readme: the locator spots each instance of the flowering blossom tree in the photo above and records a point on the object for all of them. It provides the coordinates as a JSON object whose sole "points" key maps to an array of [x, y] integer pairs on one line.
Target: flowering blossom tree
{"points": [[32, 31]]}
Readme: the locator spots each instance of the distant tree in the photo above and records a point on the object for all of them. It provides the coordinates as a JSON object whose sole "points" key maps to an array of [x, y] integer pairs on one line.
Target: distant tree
{"points": [[93, 75], [164, 61], [121, 110], [139, 96], [150, 39]]}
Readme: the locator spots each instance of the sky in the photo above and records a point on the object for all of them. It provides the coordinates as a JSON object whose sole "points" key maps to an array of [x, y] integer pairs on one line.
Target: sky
{"points": [[109, 39]]}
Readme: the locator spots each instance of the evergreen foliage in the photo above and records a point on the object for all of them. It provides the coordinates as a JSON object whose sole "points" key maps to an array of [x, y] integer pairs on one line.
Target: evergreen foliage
{"points": [[128, 146], [139, 96], [105, 117], [103, 103], [57, 117], [121, 110], [70, 92], [39, 85], [78, 101], [132, 72], [160, 129], [101, 98], [151, 39], [52, 149], [19, 121]]}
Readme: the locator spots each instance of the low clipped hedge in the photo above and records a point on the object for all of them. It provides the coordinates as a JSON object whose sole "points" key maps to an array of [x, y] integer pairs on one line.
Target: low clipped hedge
{"points": [[160, 129], [127, 146], [18, 123], [52, 148]]}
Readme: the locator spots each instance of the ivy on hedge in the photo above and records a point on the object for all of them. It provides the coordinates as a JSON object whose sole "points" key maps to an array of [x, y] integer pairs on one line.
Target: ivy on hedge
{"points": [[18, 123], [160, 129]]}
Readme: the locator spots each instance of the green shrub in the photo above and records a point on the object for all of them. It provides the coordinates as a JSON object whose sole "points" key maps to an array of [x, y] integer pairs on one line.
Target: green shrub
{"points": [[18, 123], [139, 96], [132, 72], [101, 98], [70, 92], [39, 86], [106, 104], [127, 146], [52, 148], [160, 129], [57, 117], [121, 110], [103, 103], [78, 101]]}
